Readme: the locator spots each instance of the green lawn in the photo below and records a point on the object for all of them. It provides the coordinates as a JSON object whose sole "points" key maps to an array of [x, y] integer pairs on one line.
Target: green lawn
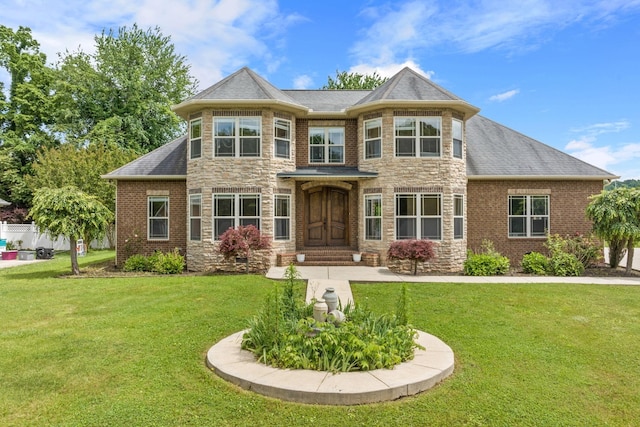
{"points": [[130, 351]]}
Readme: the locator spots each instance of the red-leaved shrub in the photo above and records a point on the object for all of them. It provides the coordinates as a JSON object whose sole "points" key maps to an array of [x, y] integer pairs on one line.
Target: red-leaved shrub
{"points": [[414, 250], [239, 242]]}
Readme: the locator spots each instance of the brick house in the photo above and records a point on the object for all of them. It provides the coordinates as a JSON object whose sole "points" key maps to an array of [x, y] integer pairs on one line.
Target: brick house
{"points": [[330, 173]]}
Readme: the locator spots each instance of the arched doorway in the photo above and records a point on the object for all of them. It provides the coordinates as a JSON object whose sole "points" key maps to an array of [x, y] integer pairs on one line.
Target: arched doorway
{"points": [[326, 216]]}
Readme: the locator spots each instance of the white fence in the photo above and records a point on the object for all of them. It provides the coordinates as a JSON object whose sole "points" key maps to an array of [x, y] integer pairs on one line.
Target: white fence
{"points": [[623, 263], [31, 237]]}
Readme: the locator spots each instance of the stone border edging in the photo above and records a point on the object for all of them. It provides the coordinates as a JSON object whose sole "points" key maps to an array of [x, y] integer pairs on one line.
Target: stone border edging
{"points": [[425, 370]]}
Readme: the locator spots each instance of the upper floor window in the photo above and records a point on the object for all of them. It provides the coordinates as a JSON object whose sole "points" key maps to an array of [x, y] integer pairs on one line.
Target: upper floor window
{"points": [[195, 139], [458, 216], [456, 130], [528, 216], [158, 218], [417, 136], [373, 139], [232, 210], [419, 216], [237, 136], [282, 138], [326, 145], [282, 217], [195, 217]]}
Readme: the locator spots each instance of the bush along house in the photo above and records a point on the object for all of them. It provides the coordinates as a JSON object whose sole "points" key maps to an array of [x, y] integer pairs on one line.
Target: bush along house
{"points": [[330, 173]]}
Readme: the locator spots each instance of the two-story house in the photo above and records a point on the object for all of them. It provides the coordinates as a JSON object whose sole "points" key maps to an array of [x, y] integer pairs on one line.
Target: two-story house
{"points": [[328, 172]]}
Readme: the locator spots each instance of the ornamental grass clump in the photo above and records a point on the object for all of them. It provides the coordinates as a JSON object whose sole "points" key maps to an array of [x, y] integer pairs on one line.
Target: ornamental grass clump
{"points": [[285, 335]]}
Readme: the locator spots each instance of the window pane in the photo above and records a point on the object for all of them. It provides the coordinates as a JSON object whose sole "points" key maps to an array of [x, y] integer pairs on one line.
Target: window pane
{"points": [[430, 126], [158, 207], [249, 206], [431, 228], [281, 206], [196, 148], [195, 206], [195, 229], [517, 227], [282, 148], [458, 228], [458, 206], [224, 206], [336, 136], [283, 129], [221, 225], [250, 147], [224, 127], [429, 147], [430, 205], [373, 206], [225, 147], [249, 127], [539, 205], [457, 148], [336, 154], [373, 149], [316, 136], [373, 229], [250, 221], [517, 205], [405, 147], [457, 129], [539, 226], [317, 154], [405, 127], [281, 231], [373, 129], [405, 228], [405, 205], [159, 228]]}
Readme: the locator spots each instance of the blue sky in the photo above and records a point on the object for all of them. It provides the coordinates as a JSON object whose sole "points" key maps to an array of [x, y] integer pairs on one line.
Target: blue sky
{"points": [[565, 72]]}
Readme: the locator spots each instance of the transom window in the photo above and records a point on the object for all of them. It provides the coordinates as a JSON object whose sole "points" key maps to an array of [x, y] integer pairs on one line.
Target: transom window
{"points": [[457, 138], [528, 216], [282, 138], [232, 210], [419, 216], [373, 139], [237, 136], [195, 217], [417, 136], [458, 216], [373, 217], [326, 145], [158, 216], [282, 217], [195, 139]]}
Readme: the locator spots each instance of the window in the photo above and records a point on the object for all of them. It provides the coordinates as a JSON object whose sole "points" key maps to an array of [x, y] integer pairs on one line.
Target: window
{"points": [[237, 136], [528, 216], [282, 217], [419, 216], [195, 139], [457, 138], [282, 138], [158, 214], [373, 139], [195, 217], [458, 217], [373, 217], [232, 210], [417, 136], [326, 145]]}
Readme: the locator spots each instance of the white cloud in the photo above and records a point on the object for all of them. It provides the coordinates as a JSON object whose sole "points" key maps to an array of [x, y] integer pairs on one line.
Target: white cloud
{"points": [[389, 70], [302, 82], [505, 95]]}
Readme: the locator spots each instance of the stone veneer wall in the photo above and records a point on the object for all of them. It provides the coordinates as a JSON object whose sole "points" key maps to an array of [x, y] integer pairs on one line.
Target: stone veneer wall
{"points": [[568, 201], [133, 220], [445, 175], [208, 175]]}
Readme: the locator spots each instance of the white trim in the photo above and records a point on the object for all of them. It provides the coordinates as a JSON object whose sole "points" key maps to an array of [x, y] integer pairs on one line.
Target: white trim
{"points": [[237, 138], [326, 145], [365, 216], [288, 217], [364, 139], [149, 217]]}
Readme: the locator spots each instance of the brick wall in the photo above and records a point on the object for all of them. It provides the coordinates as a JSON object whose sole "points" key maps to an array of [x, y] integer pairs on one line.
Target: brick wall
{"points": [[131, 215], [487, 212]]}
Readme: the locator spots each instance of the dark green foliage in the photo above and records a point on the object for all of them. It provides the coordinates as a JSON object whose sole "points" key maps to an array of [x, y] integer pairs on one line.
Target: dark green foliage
{"points": [[488, 262], [586, 249], [565, 264], [285, 335], [137, 262], [354, 80], [159, 262], [535, 263]]}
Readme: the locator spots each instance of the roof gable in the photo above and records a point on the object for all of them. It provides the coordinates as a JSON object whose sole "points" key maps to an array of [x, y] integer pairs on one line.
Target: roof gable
{"points": [[167, 161]]}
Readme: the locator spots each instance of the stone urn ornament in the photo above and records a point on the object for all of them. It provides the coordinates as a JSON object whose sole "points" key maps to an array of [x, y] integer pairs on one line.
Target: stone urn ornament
{"points": [[331, 298]]}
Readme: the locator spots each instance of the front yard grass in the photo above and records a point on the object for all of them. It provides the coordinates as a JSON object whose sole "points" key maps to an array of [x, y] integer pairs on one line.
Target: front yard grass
{"points": [[130, 351]]}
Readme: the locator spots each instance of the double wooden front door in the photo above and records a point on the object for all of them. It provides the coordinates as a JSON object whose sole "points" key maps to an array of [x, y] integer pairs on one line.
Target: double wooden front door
{"points": [[326, 217]]}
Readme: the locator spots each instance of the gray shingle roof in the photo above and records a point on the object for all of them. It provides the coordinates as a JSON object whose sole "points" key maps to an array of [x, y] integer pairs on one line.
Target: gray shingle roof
{"points": [[494, 150], [327, 100], [327, 171], [167, 161]]}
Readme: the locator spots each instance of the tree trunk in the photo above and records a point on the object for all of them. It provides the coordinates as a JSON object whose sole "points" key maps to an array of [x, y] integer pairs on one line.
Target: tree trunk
{"points": [[630, 248], [74, 255]]}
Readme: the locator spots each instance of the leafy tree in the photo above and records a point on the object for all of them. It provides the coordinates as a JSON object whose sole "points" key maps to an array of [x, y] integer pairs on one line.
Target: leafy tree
{"points": [[70, 213], [25, 113], [241, 241], [354, 80], [616, 219], [81, 167], [123, 92]]}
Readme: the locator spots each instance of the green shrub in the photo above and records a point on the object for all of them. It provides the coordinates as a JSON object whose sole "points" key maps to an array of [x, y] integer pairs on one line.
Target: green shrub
{"points": [[535, 263], [586, 249], [285, 336], [565, 264], [137, 263], [168, 263], [488, 262]]}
